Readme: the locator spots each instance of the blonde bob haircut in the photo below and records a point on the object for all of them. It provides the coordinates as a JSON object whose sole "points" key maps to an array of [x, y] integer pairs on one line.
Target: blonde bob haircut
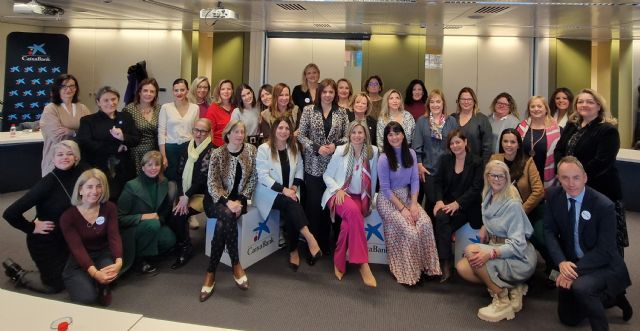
{"points": [[509, 191], [384, 111], [604, 115], [230, 127], [76, 199], [366, 148], [361, 95], [435, 93], [70, 144], [547, 118], [153, 156]]}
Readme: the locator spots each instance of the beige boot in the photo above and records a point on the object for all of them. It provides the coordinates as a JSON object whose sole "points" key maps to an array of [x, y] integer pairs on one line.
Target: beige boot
{"points": [[499, 309], [516, 294]]}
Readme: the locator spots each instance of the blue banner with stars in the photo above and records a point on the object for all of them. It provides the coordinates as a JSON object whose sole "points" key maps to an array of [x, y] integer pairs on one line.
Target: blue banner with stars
{"points": [[33, 61]]}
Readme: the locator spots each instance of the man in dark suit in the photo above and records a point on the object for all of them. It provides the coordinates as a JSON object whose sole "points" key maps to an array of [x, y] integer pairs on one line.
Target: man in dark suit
{"points": [[580, 228]]}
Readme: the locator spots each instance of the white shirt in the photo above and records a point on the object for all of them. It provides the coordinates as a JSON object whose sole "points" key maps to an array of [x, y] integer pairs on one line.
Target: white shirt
{"points": [[173, 128], [355, 186]]}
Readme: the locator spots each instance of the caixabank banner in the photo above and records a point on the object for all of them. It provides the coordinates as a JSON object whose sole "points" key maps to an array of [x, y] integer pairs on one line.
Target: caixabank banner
{"points": [[33, 61]]}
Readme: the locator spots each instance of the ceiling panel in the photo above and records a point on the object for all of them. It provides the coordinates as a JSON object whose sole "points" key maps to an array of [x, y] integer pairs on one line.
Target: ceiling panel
{"points": [[597, 20]]}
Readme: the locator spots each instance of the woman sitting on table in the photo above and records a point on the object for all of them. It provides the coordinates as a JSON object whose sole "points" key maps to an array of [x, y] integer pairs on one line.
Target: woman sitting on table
{"points": [[504, 260], [458, 188], [280, 173], [61, 118], [106, 138], [51, 196], [350, 178], [143, 211], [231, 181], [194, 167], [90, 228], [407, 228]]}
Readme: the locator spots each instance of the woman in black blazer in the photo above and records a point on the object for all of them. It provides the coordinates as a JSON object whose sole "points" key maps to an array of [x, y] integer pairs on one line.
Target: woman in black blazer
{"points": [[458, 189], [592, 137]]}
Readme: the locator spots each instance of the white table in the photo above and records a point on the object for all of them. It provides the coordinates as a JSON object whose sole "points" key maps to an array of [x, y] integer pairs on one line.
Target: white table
{"points": [[25, 312], [151, 324], [22, 137]]}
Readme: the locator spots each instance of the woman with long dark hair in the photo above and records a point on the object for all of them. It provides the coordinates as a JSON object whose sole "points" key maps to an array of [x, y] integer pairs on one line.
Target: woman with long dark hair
{"points": [[474, 124], [281, 106], [408, 230], [145, 112], [415, 98]]}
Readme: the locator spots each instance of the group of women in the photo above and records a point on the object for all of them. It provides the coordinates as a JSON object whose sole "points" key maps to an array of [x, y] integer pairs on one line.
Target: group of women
{"points": [[318, 154]]}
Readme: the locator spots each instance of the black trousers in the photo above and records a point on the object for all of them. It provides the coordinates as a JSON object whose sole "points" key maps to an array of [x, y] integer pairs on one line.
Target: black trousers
{"points": [[445, 226], [586, 299], [50, 253], [429, 189], [319, 222], [82, 288], [225, 234], [294, 219], [180, 226]]}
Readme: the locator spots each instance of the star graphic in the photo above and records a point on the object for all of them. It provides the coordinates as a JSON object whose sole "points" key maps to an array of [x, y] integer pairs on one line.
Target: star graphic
{"points": [[41, 93], [55, 69], [12, 117], [13, 93], [14, 69], [20, 81], [38, 116], [27, 93], [262, 226], [42, 69], [35, 81], [26, 116], [35, 49], [34, 105], [28, 69], [48, 81], [373, 230], [19, 105], [475, 240]]}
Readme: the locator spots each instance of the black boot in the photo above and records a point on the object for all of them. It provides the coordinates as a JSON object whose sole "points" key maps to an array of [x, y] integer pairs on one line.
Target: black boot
{"points": [[13, 271], [144, 268], [185, 252], [623, 303]]}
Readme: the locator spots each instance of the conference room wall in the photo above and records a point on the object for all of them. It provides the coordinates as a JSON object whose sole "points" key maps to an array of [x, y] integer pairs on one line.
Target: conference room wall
{"points": [[100, 57], [287, 57], [489, 65]]}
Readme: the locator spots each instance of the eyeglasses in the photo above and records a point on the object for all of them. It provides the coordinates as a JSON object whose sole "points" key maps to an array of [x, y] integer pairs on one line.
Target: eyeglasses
{"points": [[373, 83], [68, 87], [198, 131], [496, 176], [502, 104]]}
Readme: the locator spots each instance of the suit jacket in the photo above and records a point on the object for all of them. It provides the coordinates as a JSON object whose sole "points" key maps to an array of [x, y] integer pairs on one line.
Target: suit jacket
{"points": [[597, 150], [335, 175], [270, 172], [470, 201], [529, 185], [312, 136], [597, 236], [133, 202]]}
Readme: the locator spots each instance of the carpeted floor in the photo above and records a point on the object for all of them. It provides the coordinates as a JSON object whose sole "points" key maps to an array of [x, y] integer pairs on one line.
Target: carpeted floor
{"points": [[312, 299]]}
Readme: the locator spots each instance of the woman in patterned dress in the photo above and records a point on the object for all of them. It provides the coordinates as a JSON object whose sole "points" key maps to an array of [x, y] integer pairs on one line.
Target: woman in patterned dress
{"points": [[408, 230], [145, 109]]}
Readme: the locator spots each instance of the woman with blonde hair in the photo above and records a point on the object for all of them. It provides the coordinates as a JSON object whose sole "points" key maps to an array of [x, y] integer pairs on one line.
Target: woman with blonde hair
{"points": [[505, 259], [393, 111], [200, 94], [593, 138], [351, 178], [50, 196], [361, 107], [474, 124], [540, 134], [305, 93], [90, 228], [219, 112], [345, 91]]}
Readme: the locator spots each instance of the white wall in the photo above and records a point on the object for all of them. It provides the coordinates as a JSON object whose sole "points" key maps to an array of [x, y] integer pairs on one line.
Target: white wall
{"points": [[287, 57], [100, 57], [489, 65]]}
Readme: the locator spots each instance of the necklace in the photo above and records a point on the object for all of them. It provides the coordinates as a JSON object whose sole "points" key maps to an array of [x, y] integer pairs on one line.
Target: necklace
{"points": [[532, 153]]}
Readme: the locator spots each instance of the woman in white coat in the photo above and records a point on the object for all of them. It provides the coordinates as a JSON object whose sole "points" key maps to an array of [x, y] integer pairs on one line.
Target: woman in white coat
{"points": [[350, 178], [280, 173]]}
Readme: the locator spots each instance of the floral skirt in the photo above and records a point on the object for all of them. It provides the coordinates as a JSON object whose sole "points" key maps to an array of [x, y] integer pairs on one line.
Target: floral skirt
{"points": [[411, 249]]}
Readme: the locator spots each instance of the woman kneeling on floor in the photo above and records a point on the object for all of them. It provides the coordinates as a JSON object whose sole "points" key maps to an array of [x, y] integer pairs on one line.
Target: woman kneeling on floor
{"points": [[509, 259]]}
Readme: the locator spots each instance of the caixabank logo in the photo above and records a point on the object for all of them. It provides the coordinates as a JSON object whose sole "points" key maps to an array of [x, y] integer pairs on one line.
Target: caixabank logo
{"points": [[259, 241], [36, 53]]}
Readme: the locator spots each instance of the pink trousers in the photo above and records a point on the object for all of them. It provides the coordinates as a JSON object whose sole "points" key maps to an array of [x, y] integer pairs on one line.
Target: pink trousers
{"points": [[352, 236]]}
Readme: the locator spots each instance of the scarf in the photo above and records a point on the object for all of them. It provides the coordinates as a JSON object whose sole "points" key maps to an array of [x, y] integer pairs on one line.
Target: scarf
{"points": [[193, 153], [365, 186], [436, 126]]}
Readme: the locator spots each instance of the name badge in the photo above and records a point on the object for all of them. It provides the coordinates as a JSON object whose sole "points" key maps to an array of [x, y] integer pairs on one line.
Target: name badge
{"points": [[100, 220], [586, 215], [307, 100]]}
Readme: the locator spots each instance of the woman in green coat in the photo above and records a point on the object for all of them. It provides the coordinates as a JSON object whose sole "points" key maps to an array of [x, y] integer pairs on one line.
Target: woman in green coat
{"points": [[143, 211]]}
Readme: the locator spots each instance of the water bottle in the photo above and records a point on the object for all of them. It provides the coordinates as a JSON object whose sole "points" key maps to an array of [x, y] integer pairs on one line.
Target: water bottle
{"points": [[12, 131]]}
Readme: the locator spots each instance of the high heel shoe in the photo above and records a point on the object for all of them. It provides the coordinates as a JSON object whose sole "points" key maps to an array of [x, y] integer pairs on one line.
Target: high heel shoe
{"points": [[312, 259], [207, 291], [294, 267], [445, 266], [242, 282], [367, 276], [339, 274]]}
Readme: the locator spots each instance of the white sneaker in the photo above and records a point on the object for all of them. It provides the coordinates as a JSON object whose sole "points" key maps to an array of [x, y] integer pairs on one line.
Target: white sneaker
{"points": [[499, 309], [516, 294], [193, 223]]}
